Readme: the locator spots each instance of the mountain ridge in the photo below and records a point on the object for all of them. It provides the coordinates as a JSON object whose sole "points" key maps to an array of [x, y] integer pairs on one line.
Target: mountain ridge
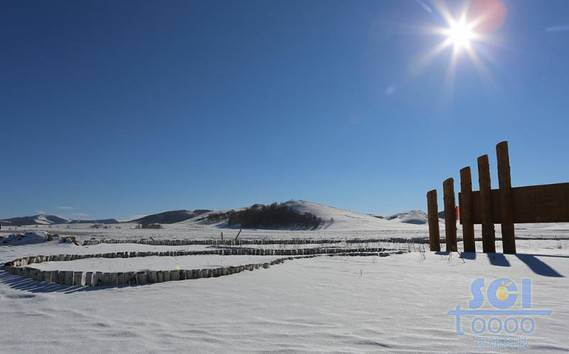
{"points": [[46, 219], [169, 216], [326, 217]]}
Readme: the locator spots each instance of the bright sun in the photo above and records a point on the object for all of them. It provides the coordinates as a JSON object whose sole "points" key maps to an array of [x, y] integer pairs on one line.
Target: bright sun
{"points": [[466, 32], [460, 33]]}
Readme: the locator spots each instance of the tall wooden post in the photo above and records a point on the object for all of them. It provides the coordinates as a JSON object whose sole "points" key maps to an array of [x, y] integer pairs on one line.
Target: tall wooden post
{"points": [[466, 210], [450, 215], [433, 217], [506, 203], [488, 234]]}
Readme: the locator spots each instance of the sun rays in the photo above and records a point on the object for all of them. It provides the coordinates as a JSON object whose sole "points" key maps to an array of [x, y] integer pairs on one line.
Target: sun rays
{"points": [[460, 33], [463, 35]]}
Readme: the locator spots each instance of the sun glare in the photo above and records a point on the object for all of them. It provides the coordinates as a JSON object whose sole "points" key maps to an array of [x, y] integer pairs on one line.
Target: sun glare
{"points": [[465, 32], [460, 33]]}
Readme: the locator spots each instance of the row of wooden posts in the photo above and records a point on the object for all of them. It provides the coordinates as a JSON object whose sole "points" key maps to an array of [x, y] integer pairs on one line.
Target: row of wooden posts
{"points": [[226, 251], [470, 212], [96, 279], [24, 266], [240, 242]]}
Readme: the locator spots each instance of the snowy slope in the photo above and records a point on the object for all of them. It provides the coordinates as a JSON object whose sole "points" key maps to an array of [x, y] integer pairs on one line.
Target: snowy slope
{"points": [[169, 217], [340, 219], [40, 219], [334, 219], [417, 217]]}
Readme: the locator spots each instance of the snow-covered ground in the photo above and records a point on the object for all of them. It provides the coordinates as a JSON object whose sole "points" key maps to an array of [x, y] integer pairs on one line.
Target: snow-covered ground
{"points": [[398, 303], [342, 304]]}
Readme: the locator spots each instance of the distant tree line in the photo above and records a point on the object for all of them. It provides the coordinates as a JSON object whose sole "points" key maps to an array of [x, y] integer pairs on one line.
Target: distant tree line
{"points": [[148, 226], [276, 215]]}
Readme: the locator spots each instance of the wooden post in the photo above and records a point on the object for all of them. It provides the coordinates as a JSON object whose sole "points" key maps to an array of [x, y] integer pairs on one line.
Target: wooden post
{"points": [[59, 277], [78, 278], [466, 210], [152, 276], [107, 279], [488, 234], [88, 278], [450, 215], [433, 217], [506, 203], [68, 280]]}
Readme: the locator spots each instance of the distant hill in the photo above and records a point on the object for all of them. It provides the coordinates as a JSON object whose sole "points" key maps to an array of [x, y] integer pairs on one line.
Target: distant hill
{"points": [[170, 217], [416, 217], [100, 221], [167, 217], [377, 216], [272, 216], [326, 217], [39, 219], [290, 215]]}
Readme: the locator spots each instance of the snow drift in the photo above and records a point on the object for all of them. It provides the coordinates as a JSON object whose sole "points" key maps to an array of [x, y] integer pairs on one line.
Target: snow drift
{"points": [[24, 239]]}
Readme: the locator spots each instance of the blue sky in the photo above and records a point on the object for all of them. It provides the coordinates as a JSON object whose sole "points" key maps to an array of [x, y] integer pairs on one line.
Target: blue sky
{"points": [[119, 108]]}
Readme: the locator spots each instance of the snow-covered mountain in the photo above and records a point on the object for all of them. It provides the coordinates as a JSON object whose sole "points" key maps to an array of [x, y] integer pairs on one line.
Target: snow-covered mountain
{"points": [[341, 219], [40, 219], [417, 217], [326, 218], [170, 217], [97, 221], [331, 218], [43, 219]]}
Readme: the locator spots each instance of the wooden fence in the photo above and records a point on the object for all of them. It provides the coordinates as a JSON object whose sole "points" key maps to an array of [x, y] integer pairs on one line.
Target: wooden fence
{"points": [[505, 206], [24, 266]]}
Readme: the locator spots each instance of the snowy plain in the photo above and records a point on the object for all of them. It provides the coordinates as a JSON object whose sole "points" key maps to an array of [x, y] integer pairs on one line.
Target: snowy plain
{"points": [[398, 303]]}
